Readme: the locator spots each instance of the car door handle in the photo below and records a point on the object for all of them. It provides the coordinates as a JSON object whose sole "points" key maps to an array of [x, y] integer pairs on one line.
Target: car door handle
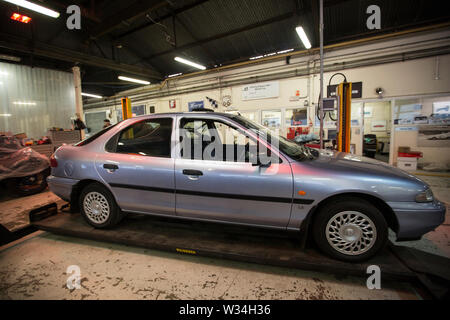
{"points": [[190, 172], [110, 166]]}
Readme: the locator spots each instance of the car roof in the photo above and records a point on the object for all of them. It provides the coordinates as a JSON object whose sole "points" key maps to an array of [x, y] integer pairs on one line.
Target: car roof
{"points": [[183, 113]]}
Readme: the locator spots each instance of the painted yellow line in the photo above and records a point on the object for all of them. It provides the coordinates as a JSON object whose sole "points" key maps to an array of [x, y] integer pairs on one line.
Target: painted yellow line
{"points": [[186, 251]]}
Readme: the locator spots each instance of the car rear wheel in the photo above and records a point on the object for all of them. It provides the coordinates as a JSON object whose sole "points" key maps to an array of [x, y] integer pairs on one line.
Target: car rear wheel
{"points": [[98, 206], [350, 229]]}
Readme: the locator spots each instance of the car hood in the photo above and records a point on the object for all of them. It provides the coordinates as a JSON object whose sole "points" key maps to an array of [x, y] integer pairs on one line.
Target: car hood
{"points": [[347, 163]]}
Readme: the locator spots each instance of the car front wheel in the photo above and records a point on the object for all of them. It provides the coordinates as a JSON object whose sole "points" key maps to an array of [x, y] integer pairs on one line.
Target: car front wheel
{"points": [[98, 206], [350, 229]]}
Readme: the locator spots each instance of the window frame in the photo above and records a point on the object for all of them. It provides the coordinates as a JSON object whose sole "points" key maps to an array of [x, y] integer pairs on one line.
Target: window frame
{"points": [[114, 140], [225, 121]]}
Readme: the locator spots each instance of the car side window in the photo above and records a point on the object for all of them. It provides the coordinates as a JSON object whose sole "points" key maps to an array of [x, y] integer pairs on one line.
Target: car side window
{"points": [[148, 138], [207, 139]]}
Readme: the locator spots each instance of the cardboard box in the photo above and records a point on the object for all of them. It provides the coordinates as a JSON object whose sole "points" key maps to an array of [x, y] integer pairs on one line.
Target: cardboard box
{"points": [[404, 149], [407, 163]]}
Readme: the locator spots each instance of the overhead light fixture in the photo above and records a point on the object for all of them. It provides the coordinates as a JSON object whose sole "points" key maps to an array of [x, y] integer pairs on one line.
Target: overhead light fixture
{"points": [[133, 80], [20, 17], [301, 33], [174, 75], [21, 103], [5, 114], [271, 54], [34, 7], [9, 58], [3, 73], [190, 63], [285, 51], [91, 95]]}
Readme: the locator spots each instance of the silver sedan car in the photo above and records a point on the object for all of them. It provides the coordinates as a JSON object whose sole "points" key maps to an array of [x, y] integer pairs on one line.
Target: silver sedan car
{"points": [[222, 167]]}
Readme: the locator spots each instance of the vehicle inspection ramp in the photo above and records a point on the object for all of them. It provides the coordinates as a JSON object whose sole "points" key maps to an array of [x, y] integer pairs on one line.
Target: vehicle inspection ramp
{"points": [[246, 244]]}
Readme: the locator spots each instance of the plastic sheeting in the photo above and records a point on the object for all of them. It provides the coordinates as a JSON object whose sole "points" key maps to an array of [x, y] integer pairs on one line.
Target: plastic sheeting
{"points": [[17, 161], [32, 100]]}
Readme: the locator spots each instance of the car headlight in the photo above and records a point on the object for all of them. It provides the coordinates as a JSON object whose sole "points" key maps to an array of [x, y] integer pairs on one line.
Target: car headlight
{"points": [[425, 196]]}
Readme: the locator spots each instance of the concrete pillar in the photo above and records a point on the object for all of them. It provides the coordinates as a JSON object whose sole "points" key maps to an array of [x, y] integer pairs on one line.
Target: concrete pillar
{"points": [[78, 97]]}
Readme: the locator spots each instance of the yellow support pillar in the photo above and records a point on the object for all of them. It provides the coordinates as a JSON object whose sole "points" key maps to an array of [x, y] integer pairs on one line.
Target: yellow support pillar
{"points": [[126, 108], [344, 92]]}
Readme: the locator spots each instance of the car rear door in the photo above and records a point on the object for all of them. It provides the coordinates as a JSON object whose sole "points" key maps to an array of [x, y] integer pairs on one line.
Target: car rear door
{"points": [[139, 168], [233, 190]]}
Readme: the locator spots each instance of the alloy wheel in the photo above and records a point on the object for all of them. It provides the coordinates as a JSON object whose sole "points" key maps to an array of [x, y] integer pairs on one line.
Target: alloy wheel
{"points": [[96, 207], [351, 232]]}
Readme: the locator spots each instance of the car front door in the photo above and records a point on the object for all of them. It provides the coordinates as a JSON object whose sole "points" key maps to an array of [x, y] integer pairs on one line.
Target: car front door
{"points": [[227, 187], [139, 168]]}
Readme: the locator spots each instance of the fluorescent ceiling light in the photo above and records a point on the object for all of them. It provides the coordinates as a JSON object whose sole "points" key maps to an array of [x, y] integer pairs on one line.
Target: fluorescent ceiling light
{"points": [[301, 33], [24, 103], [174, 75], [5, 114], [271, 54], [285, 51], [190, 63], [91, 95], [133, 80], [9, 58], [3, 73], [34, 7]]}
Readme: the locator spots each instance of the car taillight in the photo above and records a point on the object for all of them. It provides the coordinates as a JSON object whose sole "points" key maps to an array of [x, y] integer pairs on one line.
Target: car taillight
{"points": [[53, 162]]}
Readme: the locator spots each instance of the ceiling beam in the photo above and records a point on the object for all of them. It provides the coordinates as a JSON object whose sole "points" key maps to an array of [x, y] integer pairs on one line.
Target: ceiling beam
{"points": [[224, 35], [134, 11], [239, 30], [20, 44], [204, 48], [158, 20]]}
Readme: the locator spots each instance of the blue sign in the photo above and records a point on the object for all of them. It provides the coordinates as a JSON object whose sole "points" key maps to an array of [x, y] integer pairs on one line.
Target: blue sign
{"points": [[195, 105], [406, 129]]}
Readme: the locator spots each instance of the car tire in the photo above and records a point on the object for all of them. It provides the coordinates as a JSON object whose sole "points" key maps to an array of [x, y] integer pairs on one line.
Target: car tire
{"points": [[98, 206], [350, 229]]}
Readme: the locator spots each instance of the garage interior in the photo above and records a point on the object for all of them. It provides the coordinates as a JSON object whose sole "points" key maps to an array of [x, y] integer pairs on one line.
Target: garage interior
{"points": [[54, 73]]}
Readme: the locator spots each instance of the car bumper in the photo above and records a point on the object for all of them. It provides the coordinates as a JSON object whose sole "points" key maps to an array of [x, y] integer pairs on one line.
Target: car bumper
{"points": [[62, 187], [416, 219]]}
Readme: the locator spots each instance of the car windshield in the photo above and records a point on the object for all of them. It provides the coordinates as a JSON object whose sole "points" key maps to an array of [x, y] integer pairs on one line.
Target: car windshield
{"points": [[290, 148]]}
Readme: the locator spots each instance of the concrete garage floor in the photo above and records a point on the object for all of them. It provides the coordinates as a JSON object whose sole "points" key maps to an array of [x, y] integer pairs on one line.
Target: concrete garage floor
{"points": [[35, 268]]}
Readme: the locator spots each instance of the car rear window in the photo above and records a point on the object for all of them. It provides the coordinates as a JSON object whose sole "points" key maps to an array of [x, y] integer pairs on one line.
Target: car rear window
{"points": [[95, 136]]}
